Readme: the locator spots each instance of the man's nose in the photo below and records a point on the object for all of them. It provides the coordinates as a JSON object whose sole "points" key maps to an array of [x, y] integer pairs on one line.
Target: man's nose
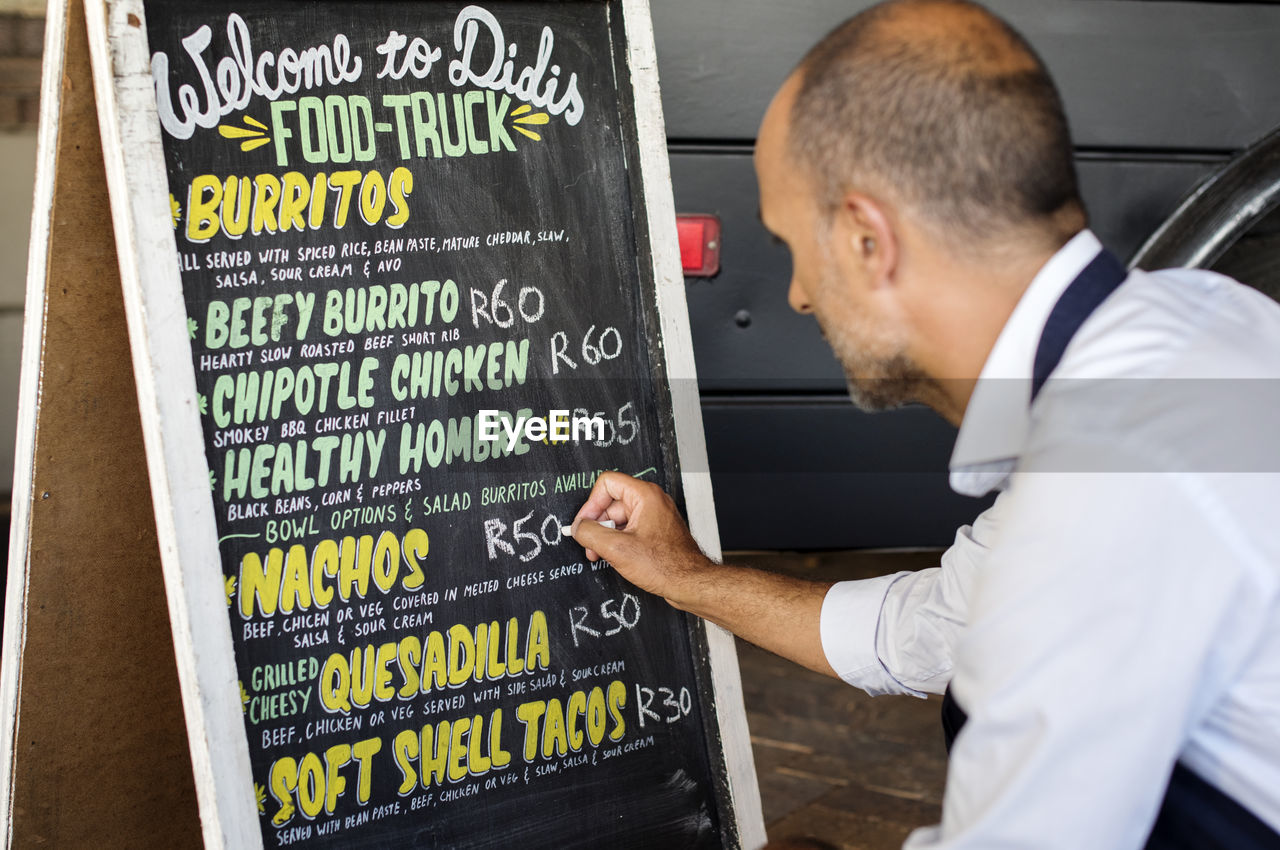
{"points": [[797, 298]]}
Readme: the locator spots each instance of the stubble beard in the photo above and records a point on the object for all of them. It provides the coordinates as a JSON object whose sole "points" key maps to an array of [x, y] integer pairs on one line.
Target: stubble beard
{"points": [[878, 373]]}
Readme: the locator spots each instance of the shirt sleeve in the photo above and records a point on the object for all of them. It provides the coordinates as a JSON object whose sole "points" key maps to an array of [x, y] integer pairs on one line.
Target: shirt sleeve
{"points": [[895, 634], [1103, 628]]}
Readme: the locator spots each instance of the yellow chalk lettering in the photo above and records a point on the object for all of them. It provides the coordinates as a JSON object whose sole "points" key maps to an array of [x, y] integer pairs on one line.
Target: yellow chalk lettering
{"points": [[433, 767], [461, 654], [415, 544], [343, 182], [353, 568], [311, 785], [553, 731], [401, 185], [405, 751], [294, 588], [283, 781], [382, 690], [595, 716], [236, 203], [617, 701], [364, 752], [324, 562], [482, 652], [319, 191], [295, 195], [261, 582], [334, 759], [373, 197], [477, 761], [362, 673], [266, 194], [497, 756], [409, 656], [539, 646], [576, 708], [335, 683], [386, 561], [457, 750], [203, 199], [497, 669], [530, 714], [435, 666], [515, 664]]}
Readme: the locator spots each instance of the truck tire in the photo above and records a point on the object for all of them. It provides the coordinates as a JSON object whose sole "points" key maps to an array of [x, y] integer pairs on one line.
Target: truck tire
{"points": [[1229, 223]]}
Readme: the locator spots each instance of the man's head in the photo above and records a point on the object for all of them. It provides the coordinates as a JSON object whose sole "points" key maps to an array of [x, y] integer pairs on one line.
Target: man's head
{"points": [[918, 140]]}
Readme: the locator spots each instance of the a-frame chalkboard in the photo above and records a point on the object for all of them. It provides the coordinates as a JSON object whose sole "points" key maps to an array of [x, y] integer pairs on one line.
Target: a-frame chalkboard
{"points": [[347, 234]]}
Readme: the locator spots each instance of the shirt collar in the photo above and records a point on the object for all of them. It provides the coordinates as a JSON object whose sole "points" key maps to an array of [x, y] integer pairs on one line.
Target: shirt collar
{"points": [[998, 418]]}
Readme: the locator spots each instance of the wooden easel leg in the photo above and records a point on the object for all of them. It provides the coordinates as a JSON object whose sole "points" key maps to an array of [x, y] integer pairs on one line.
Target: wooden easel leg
{"points": [[100, 755]]}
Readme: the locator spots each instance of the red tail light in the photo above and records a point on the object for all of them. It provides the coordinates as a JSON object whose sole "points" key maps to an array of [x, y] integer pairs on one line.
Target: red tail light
{"points": [[699, 244]]}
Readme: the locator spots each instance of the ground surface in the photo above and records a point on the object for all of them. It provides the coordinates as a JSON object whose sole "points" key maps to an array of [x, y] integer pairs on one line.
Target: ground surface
{"points": [[833, 763]]}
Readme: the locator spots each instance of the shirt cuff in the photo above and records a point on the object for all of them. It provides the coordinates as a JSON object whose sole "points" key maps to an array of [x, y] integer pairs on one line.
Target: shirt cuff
{"points": [[848, 624]]}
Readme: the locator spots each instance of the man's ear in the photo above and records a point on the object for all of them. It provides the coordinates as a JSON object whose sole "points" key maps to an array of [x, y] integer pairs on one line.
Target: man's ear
{"points": [[867, 237]]}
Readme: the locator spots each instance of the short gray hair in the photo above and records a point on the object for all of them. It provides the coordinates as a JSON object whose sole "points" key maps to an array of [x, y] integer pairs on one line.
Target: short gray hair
{"points": [[968, 129]]}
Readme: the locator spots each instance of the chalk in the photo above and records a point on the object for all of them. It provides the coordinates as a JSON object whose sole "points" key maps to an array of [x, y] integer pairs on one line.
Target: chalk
{"points": [[567, 530]]}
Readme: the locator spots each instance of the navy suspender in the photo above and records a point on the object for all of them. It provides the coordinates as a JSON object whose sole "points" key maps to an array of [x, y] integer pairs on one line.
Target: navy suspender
{"points": [[1090, 288], [1194, 815], [1197, 816]]}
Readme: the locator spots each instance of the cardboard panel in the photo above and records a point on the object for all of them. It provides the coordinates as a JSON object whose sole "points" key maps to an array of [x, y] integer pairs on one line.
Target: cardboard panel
{"points": [[100, 752]]}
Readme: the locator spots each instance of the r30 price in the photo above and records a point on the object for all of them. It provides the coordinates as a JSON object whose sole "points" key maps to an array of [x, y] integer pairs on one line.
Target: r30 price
{"points": [[662, 705]]}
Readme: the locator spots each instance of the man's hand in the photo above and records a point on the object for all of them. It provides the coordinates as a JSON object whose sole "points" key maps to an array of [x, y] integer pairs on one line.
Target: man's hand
{"points": [[651, 547]]}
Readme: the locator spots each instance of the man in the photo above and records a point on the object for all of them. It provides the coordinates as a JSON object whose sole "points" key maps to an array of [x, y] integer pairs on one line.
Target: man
{"points": [[1111, 625]]}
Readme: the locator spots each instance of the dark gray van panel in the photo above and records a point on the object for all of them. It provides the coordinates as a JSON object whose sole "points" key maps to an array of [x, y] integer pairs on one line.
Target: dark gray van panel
{"points": [[1158, 94], [1149, 75], [780, 350]]}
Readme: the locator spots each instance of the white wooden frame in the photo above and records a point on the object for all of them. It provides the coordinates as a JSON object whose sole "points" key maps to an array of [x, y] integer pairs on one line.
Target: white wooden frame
{"points": [[15, 605], [166, 383], [677, 346], [166, 386]]}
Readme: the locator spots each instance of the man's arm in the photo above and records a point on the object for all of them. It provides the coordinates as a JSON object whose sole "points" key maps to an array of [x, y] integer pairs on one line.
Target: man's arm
{"points": [[653, 549], [893, 634]]}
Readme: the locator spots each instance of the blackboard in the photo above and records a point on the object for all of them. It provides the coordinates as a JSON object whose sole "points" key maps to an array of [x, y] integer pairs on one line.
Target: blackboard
{"points": [[352, 236]]}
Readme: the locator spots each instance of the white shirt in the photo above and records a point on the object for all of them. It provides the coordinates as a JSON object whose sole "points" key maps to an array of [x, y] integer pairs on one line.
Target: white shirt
{"points": [[1118, 608]]}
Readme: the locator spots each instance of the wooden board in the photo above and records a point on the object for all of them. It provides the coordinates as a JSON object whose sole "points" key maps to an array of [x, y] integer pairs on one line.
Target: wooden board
{"points": [[266, 665], [93, 740]]}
